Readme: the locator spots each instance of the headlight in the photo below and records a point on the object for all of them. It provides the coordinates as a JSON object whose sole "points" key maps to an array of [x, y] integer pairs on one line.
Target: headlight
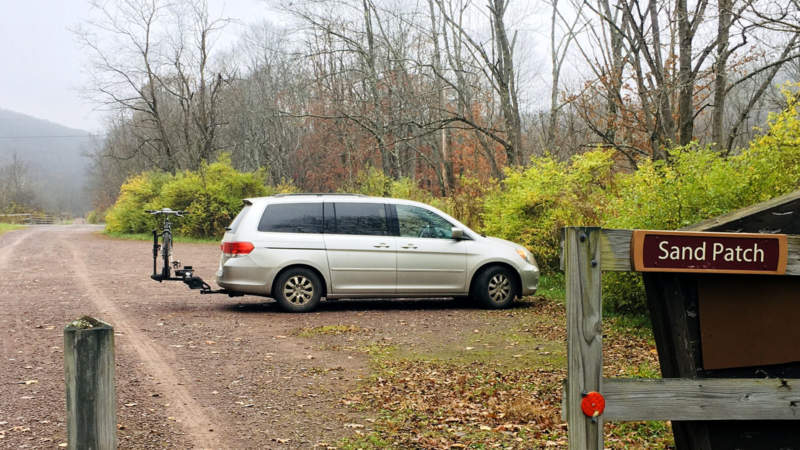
{"points": [[526, 256]]}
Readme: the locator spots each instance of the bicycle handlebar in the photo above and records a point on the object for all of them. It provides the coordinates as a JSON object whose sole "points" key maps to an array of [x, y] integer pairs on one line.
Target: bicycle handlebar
{"points": [[166, 211]]}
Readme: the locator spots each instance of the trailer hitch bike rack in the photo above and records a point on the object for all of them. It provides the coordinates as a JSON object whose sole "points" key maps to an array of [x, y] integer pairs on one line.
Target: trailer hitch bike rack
{"points": [[170, 265]]}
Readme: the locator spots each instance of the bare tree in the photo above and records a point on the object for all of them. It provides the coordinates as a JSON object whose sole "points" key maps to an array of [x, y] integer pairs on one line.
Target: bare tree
{"points": [[16, 189], [465, 84], [152, 62], [438, 86], [666, 49], [496, 60], [259, 132]]}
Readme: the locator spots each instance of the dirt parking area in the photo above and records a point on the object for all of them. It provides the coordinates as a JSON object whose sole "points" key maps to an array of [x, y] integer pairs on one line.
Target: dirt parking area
{"points": [[210, 371], [201, 371]]}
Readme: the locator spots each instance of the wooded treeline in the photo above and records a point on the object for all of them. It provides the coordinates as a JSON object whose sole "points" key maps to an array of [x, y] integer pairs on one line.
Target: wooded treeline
{"points": [[432, 90]]}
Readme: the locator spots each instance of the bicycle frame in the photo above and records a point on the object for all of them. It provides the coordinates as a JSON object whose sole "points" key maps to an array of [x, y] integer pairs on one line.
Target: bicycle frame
{"points": [[165, 247], [186, 274]]}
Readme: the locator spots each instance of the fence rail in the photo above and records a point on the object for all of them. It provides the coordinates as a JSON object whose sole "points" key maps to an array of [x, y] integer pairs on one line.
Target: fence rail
{"points": [[31, 219], [588, 251]]}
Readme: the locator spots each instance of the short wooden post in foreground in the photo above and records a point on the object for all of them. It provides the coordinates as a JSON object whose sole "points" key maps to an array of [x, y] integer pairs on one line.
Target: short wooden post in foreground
{"points": [[584, 333], [89, 373]]}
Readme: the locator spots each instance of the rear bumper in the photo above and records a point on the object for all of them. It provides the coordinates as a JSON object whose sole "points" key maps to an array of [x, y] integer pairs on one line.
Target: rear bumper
{"points": [[243, 275]]}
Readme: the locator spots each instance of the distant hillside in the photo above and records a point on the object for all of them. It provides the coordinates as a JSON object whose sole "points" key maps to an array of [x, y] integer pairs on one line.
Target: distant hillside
{"points": [[54, 154]]}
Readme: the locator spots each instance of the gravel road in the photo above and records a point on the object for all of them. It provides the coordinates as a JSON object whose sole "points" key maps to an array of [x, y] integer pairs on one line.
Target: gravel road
{"points": [[201, 371]]}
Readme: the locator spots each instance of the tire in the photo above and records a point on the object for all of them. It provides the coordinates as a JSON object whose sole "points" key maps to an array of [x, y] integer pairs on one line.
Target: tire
{"points": [[466, 301], [495, 288], [166, 252], [298, 290]]}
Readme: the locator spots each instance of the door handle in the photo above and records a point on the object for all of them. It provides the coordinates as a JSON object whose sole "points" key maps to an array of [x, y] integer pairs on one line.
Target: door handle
{"points": [[409, 246], [381, 245]]}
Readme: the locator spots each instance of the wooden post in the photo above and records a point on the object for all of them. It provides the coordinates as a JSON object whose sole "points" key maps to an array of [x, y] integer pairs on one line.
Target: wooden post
{"points": [[584, 333], [89, 374], [752, 407]]}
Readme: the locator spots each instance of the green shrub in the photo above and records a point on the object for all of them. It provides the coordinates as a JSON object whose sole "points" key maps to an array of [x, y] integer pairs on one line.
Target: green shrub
{"points": [[212, 195], [465, 203], [96, 216], [698, 184], [140, 192], [533, 204]]}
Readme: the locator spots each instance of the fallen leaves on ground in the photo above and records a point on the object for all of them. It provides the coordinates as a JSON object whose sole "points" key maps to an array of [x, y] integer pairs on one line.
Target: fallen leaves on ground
{"points": [[434, 405], [439, 405]]}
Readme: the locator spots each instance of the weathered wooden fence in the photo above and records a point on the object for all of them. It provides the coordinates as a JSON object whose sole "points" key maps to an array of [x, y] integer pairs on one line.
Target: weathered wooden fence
{"points": [[31, 219], [586, 254]]}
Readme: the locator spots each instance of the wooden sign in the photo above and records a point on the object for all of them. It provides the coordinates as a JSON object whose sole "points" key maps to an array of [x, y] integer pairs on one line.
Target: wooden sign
{"points": [[677, 251], [748, 321]]}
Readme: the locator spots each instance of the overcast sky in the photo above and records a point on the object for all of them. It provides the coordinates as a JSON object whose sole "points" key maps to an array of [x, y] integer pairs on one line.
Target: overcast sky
{"points": [[42, 70], [41, 73]]}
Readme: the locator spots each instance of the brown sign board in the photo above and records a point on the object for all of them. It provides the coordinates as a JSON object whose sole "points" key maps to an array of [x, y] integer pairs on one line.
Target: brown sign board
{"points": [[746, 322], [697, 252]]}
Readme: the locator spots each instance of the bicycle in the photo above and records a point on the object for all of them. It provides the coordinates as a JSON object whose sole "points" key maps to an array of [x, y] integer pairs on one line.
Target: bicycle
{"points": [[186, 274]]}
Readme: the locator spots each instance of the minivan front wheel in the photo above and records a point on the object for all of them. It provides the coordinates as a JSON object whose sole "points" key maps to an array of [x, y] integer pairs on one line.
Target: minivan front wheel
{"points": [[495, 287], [298, 290]]}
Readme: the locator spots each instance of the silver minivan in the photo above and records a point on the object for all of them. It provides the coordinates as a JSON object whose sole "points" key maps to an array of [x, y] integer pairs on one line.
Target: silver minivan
{"points": [[299, 248]]}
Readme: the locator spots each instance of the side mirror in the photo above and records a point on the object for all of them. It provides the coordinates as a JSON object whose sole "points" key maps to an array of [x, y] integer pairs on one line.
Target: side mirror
{"points": [[458, 234]]}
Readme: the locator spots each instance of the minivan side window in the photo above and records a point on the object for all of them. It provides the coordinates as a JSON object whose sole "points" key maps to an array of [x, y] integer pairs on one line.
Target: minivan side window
{"points": [[292, 218], [360, 218], [419, 222]]}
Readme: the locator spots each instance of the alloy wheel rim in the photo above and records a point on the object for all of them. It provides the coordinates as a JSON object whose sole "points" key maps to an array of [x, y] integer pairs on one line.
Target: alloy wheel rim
{"points": [[298, 290], [499, 288]]}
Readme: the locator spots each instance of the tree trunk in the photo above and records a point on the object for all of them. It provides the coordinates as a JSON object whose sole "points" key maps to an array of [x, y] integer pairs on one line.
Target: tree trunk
{"points": [[685, 77], [552, 122], [504, 74], [721, 72], [445, 168]]}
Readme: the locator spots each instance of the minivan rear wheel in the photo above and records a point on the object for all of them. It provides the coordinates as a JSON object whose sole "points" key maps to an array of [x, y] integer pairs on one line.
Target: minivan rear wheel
{"points": [[298, 290], [495, 288]]}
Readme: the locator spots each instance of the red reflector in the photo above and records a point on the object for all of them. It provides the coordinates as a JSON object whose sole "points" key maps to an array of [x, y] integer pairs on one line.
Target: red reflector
{"points": [[237, 248], [593, 404]]}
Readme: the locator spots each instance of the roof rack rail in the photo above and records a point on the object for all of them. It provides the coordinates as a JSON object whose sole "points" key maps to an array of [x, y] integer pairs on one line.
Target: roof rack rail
{"points": [[320, 194]]}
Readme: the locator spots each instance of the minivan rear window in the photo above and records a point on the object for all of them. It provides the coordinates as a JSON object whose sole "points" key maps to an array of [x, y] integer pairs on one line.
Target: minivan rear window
{"points": [[235, 224], [292, 218]]}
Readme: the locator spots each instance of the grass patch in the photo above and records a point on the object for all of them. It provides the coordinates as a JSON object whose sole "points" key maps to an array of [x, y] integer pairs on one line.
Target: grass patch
{"points": [[445, 405], [330, 330], [642, 370], [149, 237], [369, 440], [495, 386], [510, 348], [630, 324], [552, 286], [6, 227], [649, 434]]}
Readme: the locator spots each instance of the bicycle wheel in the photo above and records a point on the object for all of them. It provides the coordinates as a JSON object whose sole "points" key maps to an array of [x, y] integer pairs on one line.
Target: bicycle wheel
{"points": [[166, 250]]}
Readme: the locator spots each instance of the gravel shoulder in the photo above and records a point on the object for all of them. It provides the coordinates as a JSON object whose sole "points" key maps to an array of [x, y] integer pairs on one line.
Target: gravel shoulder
{"points": [[192, 371], [209, 371]]}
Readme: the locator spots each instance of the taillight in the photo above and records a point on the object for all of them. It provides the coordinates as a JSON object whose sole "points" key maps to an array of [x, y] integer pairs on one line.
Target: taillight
{"points": [[237, 248]]}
